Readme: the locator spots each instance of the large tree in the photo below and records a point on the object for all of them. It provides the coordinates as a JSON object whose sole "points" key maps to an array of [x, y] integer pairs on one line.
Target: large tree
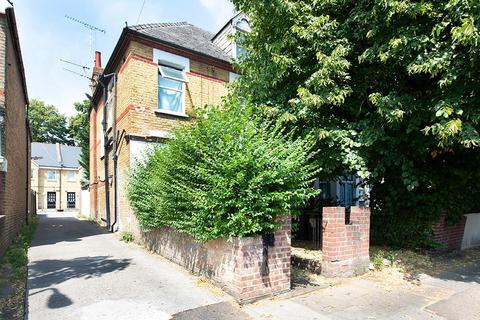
{"points": [[48, 124], [79, 129], [388, 89]]}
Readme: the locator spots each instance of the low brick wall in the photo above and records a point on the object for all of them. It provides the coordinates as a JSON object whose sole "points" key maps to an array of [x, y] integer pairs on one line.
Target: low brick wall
{"points": [[345, 247], [233, 265], [449, 235]]}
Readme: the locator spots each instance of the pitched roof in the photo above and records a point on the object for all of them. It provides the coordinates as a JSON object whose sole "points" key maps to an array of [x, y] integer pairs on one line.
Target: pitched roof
{"points": [[184, 35], [54, 155]]}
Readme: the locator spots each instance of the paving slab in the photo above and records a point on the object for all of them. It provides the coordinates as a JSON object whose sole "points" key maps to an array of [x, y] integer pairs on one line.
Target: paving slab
{"points": [[356, 299], [460, 306], [218, 311]]}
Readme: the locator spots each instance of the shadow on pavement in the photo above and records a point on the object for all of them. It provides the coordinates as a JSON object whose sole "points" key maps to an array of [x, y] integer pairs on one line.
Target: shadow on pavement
{"points": [[63, 227], [46, 273]]}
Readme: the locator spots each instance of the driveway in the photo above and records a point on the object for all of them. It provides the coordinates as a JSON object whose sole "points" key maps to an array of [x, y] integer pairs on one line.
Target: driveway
{"points": [[78, 271]]}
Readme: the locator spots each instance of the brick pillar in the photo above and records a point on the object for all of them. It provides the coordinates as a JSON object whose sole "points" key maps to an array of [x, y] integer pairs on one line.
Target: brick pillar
{"points": [[345, 247], [450, 236], [248, 282]]}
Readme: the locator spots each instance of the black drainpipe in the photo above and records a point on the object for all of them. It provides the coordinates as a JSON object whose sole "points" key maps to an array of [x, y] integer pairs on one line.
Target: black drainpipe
{"points": [[105, 146], [115, 157]]}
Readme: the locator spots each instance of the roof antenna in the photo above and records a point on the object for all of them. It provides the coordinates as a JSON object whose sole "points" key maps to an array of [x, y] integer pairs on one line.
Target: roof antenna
{"points": [[93, 32], [126, 24], [10, 1], [79, 74], [85, 68]]}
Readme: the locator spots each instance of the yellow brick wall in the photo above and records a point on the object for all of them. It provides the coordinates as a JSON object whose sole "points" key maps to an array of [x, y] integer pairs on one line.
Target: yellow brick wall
{"points": [[136, 104]]}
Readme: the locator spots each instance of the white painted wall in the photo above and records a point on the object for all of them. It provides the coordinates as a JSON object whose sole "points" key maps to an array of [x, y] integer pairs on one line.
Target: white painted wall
{"points": [[471, 236], [139, 150], [85, 203]]}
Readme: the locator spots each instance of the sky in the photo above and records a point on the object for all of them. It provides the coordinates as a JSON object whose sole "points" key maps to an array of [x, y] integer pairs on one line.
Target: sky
{"points": [[46, 36]]}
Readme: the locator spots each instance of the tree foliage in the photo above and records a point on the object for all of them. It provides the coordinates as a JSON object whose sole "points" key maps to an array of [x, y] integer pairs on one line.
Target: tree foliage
{"points": [[223, 176], [79, 127], [47, 124], [389, 89]]}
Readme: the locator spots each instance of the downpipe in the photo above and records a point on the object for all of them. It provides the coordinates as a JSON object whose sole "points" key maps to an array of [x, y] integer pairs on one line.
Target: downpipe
{"points": [[114, 226], [105, 148]]}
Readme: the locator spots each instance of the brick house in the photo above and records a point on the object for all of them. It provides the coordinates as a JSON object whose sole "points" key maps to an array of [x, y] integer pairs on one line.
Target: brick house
{"points": [[155, 78], [14, 133], [56, 176]]}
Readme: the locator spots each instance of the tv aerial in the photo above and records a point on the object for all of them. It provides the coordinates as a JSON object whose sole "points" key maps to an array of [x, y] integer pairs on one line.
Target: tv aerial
{"points": [[93, 32]]}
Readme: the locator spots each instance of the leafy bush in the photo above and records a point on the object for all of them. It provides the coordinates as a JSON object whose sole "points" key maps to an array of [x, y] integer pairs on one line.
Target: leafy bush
{"points": [[390, 89], [225, 175], [126, 236]]}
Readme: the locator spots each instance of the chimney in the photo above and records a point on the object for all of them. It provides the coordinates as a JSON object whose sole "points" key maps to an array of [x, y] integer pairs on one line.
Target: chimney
{"points": [[97, 70], [98, 59]]}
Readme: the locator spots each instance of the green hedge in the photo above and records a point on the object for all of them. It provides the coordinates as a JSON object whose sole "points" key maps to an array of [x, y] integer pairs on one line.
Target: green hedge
{"points": [[225, 175]]}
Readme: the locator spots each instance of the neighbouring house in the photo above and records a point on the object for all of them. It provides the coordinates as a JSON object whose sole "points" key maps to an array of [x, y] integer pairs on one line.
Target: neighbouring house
{"points": [[56, 176], [155, 78], [14, 134]]}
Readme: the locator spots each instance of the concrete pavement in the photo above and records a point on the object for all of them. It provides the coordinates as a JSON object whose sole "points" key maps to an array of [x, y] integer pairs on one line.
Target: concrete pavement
{"points": [[453, 295], [77, 271]]}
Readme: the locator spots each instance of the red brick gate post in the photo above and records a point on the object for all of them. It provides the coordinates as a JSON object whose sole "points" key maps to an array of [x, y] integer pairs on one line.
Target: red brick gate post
{"points": [[249, 283], [345, 246]]}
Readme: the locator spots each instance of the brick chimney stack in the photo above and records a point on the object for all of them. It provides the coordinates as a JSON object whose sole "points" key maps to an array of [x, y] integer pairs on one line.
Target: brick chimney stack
{"points": [[97, 70]]}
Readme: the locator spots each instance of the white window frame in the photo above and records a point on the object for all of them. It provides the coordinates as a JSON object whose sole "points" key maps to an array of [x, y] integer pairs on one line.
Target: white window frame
{"points": [[54, 173], [240, 26], [184, 82], [110, 104]]}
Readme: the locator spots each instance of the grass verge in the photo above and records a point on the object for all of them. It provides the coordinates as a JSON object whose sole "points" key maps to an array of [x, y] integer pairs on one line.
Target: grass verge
{"points": [[13, 273]]}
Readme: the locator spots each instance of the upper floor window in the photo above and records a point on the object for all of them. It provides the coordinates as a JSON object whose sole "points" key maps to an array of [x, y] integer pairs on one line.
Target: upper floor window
{"points": [[110, 103], [71, 177], [240, 51], [242, 27], [52, 175], [171, 90]]}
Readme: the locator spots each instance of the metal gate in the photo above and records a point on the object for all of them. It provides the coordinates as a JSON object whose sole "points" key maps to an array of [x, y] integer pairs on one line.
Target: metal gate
{"points": [[51, 200], [70, 200]]}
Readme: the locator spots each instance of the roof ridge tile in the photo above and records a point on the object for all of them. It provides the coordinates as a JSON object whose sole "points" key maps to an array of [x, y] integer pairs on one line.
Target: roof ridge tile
{"points": [[158, 25]]}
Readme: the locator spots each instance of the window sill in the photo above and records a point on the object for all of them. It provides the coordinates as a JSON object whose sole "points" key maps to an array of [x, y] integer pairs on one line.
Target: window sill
{"points": [[174, 114]]}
